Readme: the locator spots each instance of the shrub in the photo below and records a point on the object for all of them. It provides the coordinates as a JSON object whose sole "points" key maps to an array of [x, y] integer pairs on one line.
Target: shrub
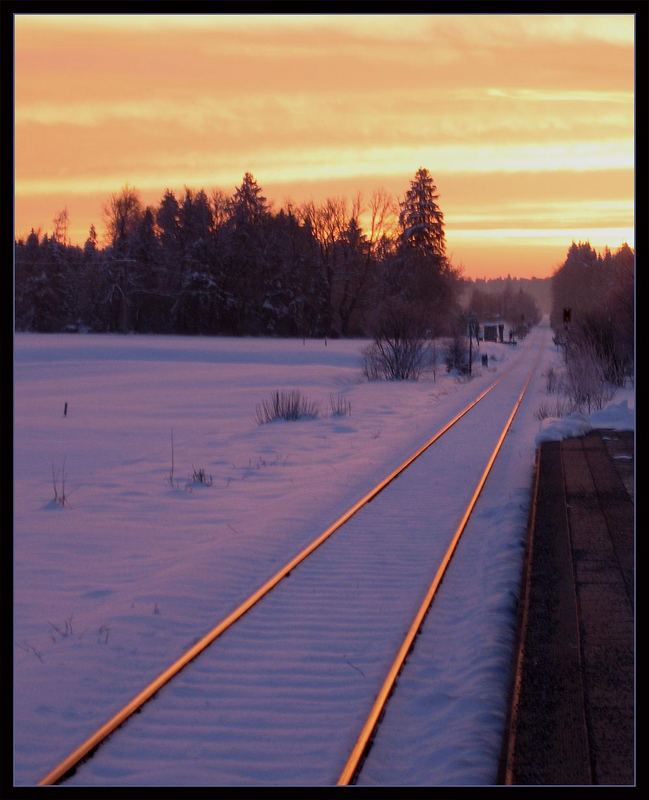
{"points": [[340, 406], [286, 405], [200, 477], [558, 409], [587, 384], [400, 350], [598, 333], [457, 353]]}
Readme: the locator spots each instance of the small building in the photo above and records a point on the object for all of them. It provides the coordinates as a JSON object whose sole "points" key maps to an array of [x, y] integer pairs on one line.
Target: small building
{"points": [[493, 332]]}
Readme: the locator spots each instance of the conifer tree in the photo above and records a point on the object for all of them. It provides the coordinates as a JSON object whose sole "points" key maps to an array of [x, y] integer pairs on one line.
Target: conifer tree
{"points": [[90, 245], [420, 219], [248, 206]]}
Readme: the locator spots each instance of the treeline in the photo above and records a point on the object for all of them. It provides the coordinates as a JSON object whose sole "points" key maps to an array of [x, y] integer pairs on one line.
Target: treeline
{"points": [[540, 289], [515, 306], [228, 264], [593, 310]]}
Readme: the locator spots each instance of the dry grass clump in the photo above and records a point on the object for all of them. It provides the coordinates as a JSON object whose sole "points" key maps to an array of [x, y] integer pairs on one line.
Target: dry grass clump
{"points": [[340, 405], [287, 405]]}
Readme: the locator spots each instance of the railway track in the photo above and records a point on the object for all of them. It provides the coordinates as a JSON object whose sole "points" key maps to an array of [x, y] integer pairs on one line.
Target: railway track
{"points": [[357, 752]]}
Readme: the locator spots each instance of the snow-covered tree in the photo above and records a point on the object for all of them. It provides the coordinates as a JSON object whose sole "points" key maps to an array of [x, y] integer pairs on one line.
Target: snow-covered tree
{"points": [[420, 219], [419, 275]]}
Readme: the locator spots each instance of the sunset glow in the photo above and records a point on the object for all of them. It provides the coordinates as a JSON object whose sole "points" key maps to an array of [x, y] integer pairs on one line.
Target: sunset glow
{"points": [[525, 121]]}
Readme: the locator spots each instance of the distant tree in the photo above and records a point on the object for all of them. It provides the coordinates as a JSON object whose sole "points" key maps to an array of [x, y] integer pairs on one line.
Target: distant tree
{"points": [[194, 219], [518, 308], [293, 295], [26, 256], [199, 295], [242, 259], [575, 282], [599, 292], [382, 212], [90, 245], [360, 252], [48, 281], [219, 205], [122, 214], [352, 277], [480, 291], [93, 289], [248, 206], [346, 256], [418, 272], [61, 223], [168, 222]]}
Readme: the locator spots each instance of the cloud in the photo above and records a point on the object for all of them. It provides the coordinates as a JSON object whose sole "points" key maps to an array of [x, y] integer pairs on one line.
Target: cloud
{"points": [[117, 58], [324, 163], [560, 212], [546, 236], [476, 109], [617, 28]]}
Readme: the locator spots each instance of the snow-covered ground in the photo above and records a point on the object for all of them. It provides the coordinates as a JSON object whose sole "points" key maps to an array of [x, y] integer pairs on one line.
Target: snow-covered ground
{"points": [[131, 570]]}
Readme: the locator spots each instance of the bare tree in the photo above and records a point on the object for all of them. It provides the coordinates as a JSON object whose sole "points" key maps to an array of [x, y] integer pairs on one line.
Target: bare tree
{"points": [[382, 213], [327, 223], [587, 384], [61, 222], [219, 202], [122, 213]]}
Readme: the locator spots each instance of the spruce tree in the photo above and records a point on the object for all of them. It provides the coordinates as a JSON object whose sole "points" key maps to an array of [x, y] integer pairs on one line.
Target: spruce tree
{"points": [[248, 206], [420, 219]]}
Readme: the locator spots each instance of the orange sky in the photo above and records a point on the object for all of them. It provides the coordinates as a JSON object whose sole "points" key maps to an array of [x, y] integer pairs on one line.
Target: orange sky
{"points": [[525, 121]]}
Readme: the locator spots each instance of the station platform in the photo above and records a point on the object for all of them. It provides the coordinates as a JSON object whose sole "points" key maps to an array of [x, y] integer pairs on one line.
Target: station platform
{"points": [[572, 715]]}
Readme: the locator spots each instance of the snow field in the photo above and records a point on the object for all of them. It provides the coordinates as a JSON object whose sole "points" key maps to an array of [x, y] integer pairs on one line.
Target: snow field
{"points": [[289, 685], [116, 584]]}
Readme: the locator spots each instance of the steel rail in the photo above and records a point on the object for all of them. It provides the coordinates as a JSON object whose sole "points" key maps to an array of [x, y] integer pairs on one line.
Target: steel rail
{"points": [[69, 763], [512, 721], [361, 746]]}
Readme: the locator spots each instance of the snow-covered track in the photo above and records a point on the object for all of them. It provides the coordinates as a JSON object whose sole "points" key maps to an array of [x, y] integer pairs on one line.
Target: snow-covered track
{"points": [[363, 741], [65, 768]]}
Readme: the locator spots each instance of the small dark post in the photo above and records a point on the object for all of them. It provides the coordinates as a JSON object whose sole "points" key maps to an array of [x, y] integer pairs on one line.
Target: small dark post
{"points": [[65, 410], [470, 350], [473, 328], [567, 316]]}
